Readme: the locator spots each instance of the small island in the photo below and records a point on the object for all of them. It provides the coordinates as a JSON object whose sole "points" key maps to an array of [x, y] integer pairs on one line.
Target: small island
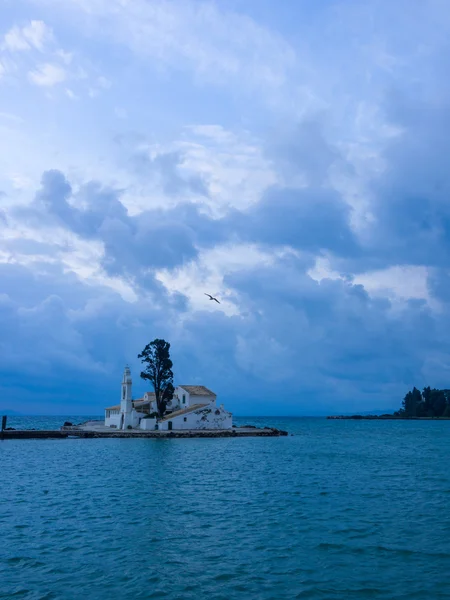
{"points": [[430, 403], [167, 411]]}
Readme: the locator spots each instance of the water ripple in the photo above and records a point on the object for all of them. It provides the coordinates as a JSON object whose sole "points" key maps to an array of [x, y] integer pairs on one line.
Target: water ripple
{"points": [[339, 510]]}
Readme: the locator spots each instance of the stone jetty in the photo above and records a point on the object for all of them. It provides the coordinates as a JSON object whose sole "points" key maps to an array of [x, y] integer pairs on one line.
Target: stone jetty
{"points": [[92, 430]]}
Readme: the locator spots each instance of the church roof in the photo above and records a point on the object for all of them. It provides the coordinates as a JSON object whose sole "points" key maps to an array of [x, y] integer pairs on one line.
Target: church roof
{"points": [[184, 411], [141, 401], [138, 402], [197, 390]]}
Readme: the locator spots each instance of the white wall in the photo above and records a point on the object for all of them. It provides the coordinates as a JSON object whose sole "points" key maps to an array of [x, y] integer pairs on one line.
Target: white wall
{"points": [[147, 424], [113, 420], [202, 400], [128, 419], [191, 399], [202, 418], [179, 393], [135, 418]]}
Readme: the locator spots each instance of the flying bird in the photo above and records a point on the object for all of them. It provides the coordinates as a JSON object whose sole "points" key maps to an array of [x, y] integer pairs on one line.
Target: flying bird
{"points": [[212, 298]]}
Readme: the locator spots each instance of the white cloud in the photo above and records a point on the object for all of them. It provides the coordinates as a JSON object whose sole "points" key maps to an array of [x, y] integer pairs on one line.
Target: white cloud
{"points": [[231, 163], [217, 45], [207, 273], [403, 282], [121, 113], [66, 57], [104, 83], [47, 75], [11, 117], [21, 182], [15, 41], [398, 283], [35, 35]]}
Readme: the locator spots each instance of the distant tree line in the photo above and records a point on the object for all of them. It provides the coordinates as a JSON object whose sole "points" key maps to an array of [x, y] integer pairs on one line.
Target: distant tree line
{"points": [[428, 403]]}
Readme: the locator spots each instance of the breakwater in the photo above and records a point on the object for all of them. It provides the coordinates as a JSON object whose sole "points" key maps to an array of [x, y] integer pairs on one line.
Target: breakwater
{"points": [[65, 433]]}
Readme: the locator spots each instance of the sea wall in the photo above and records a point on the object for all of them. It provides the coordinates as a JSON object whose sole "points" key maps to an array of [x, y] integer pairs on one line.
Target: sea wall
{"points": [[79, 433], [207, 417]]}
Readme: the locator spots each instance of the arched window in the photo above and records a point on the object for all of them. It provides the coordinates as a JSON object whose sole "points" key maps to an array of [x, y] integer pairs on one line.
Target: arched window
{"points": [[123, 393]]}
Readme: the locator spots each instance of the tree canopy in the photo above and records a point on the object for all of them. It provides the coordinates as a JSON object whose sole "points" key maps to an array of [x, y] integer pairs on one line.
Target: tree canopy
{"points": [[158, 370], [428, 403]]}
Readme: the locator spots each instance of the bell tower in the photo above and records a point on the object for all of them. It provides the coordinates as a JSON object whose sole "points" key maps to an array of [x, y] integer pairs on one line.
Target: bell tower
{"points": [[126, 404]]}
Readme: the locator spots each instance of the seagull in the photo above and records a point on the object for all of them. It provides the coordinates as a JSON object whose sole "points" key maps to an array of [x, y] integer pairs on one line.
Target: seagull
{"points": [[212, 298]]}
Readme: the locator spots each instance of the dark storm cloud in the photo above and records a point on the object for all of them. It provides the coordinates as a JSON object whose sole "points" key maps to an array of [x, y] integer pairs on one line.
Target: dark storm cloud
{"points": [[297, 344], [309, 219]]}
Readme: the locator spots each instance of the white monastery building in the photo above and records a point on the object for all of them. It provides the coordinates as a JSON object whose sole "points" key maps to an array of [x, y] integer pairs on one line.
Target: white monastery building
{"points": [[192, 407]]}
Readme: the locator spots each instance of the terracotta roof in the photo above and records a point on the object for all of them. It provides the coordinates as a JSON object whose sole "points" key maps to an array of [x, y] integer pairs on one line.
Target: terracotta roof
{"points": [[139, 402], [197, 390], [178, 413]]}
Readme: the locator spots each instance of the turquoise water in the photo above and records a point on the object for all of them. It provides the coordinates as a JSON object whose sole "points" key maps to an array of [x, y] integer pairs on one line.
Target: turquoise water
{"points": [[341, 509]]}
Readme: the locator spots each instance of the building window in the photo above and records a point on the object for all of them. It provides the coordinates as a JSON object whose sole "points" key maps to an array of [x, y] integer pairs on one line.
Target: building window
{"points": [[184, 399], [123, 393], [185, 419]]}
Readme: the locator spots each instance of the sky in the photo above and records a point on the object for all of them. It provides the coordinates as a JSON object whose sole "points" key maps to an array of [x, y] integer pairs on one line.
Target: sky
{"points": [[289, 158]]}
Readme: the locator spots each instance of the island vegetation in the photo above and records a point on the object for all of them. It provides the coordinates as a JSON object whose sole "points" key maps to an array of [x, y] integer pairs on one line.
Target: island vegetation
{"points": [[430, 403]]}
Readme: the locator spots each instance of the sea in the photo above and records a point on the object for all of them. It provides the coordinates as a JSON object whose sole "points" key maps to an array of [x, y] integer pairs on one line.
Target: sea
{"points": [[336, 510]]}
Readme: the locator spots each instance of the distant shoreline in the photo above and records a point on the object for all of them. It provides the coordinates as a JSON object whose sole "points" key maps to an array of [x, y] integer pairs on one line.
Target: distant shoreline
{"points": [[385, 418]]}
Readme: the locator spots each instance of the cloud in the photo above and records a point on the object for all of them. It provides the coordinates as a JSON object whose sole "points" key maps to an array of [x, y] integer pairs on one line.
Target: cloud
{"points": [[222, 169], [308, 219], [348, 346], [66, 57], [334, 341], [302, 179], [133, 245], [303, 155], [407, 196], [166, 166], [47, 75], [60, 335], [104, 83], [292, 336], [300, 343], [218, 46], [11, 117], [36, 35]]}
